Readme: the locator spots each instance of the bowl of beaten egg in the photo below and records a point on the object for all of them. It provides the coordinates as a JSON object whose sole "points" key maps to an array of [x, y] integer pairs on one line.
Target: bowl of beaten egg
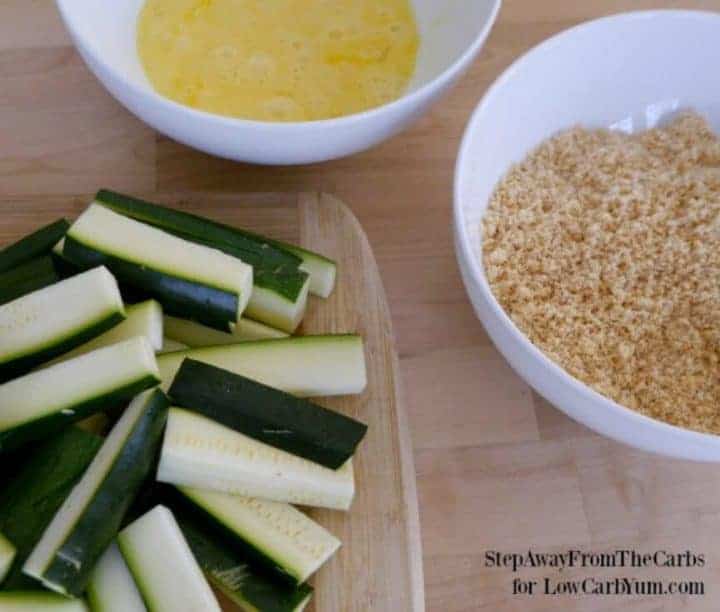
{"points": [[587, 226], [278, 81]]}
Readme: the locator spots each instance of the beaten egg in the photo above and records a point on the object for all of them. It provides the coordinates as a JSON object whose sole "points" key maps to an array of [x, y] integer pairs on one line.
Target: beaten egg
{"points": [[279, 60]]}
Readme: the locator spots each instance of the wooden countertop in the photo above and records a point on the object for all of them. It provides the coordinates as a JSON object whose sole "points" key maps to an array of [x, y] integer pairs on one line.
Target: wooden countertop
{"points": [[498, 469]]}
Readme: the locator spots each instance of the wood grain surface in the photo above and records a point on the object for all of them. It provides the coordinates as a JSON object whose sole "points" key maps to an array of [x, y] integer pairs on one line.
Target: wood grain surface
{"points": [[497, 467], [381, 531]]}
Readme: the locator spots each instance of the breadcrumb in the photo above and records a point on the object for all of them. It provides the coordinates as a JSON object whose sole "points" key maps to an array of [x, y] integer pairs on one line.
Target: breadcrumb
{"points": [[604, 249]]}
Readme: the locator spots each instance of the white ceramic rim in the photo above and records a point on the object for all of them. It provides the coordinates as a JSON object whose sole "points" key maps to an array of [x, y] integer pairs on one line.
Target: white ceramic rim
{"points": [[292, 126], [478, 272]]}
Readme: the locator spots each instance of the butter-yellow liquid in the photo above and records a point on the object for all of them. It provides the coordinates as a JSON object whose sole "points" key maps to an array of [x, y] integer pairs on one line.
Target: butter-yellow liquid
{"points": [[279, 60]]}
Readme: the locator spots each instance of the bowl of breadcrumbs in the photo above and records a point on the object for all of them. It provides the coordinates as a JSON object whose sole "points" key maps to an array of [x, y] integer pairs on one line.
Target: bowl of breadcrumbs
{"points": [[587, 223]]}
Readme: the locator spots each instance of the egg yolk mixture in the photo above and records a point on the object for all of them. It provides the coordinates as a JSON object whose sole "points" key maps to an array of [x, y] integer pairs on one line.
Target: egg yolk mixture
{"points": [[279, 60]]}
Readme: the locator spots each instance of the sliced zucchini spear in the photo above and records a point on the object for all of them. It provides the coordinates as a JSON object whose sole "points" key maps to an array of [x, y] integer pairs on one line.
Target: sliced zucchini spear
{"points": [[249, 246], [306, 366], [273, 535], [195, 335], [164, 568], [46, 323], [87, 522], [40, 403], [188, 279], [280, 289], [279, 419], [144, 319], [34, 245], [198, 452]]}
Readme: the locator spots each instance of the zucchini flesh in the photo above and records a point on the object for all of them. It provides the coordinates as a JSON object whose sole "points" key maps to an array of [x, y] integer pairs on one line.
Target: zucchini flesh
{"points": [[249, 246], [198, 452], [229, 572], [169, 345], [143, 319], [279, 419], [40, 403], [194, 335], [37, 489], [8, 552], [306, 366], [322, 270], [111, 586], [34, 245], [26, 278], [163, 565], [46, 323], [90, 517], [264, 306], [186, 278], [274, 535], [39, 601]]}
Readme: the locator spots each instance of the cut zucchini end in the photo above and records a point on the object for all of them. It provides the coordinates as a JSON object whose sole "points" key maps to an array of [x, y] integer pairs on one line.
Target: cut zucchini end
{"points": [[170, 346], [112, 289], [7, 556], [323, 275], [152, 311], [266, 307], [245, 291], [58, 248]]}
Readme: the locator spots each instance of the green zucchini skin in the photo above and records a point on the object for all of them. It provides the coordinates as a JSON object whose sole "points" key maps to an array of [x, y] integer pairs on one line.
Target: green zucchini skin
{"points": [[34, 245], [102, 518], [42, 478], [26, 278], [39, 429], [40, 266], [209, 305], [274, 417], [228, 570]]}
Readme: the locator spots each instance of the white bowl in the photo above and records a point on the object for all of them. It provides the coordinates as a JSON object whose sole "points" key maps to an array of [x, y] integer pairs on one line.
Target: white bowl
{"points": [[627, 71], [452, 34]]}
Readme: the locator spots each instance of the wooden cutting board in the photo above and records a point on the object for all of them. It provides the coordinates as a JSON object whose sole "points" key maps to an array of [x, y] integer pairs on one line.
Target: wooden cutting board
{"points": [[379, 567]]}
